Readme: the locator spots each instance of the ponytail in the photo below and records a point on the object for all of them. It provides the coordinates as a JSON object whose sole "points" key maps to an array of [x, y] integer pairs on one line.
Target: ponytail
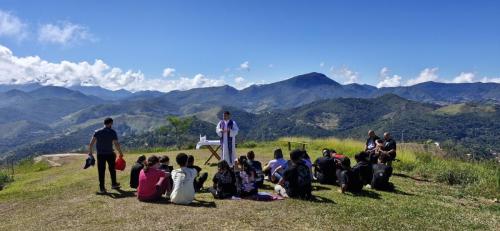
{"points": [[152, 160]]}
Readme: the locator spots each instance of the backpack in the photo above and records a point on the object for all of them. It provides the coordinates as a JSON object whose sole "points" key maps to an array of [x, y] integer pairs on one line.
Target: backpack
{"points": [[304, 180]]}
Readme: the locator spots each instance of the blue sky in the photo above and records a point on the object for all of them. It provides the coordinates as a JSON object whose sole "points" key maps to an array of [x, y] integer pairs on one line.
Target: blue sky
{"points": [[385, 43]]}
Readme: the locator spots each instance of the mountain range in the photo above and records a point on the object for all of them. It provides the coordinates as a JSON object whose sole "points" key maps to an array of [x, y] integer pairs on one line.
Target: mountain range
{"points": [[45, 119]]}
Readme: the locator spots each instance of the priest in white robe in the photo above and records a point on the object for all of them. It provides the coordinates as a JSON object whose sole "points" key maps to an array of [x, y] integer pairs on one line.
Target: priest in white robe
{"points": [[227, 130]]}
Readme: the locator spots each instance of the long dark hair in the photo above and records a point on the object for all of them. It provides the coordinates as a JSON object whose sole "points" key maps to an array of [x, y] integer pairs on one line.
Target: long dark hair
{"points": [[152, 160]]}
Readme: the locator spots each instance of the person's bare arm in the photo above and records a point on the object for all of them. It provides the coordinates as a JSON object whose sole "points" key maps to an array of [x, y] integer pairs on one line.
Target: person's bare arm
{"points": [[277, 169], [118, 147], [281, 182], [91, 145]]}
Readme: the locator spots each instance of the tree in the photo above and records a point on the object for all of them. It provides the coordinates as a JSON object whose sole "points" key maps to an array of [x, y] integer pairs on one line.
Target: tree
{"points": [[180, 126]]}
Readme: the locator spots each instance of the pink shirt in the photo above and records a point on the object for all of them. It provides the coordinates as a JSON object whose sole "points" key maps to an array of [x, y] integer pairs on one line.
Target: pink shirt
{"points": [[148, 181]]}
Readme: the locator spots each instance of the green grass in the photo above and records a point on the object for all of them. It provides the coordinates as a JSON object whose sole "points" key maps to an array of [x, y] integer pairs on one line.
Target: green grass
{"points": [[64, 198]]}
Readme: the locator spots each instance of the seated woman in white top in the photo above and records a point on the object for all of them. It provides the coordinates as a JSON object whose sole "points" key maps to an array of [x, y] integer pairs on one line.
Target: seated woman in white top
{"points": [[183, 189]]}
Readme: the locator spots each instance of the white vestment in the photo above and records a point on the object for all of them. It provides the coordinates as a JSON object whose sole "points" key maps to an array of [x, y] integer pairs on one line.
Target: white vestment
{"points": [[226, 155]]}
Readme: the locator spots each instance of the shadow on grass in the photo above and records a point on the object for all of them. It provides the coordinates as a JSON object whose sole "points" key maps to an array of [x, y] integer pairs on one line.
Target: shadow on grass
{"points": [[121, 194], [397, 191], [369, 194], [195, 203], [410, 177], [319, 188], [322, 200]]}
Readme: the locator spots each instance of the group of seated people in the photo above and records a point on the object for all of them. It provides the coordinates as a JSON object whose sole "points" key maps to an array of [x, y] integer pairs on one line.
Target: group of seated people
{"points": [[373, 167], [153, 178]]}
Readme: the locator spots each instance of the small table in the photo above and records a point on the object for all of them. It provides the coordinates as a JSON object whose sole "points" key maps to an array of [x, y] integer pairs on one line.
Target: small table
{"points": [[210, 144]]}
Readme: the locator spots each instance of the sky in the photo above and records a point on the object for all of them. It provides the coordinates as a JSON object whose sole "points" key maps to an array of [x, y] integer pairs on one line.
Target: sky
{"points": [[179, 45]]}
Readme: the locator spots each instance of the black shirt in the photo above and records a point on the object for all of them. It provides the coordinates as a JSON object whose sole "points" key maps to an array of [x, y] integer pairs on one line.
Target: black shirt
{"points": [[134, 174], [381, 175], [364, 170], [166, 168], [325, 170], [351, 179], [297, 179], [389, 144], [105, 137], [225, 184]]}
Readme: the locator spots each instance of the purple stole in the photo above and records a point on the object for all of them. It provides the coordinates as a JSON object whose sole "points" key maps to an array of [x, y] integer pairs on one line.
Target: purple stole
{"points": [[229, 139]]}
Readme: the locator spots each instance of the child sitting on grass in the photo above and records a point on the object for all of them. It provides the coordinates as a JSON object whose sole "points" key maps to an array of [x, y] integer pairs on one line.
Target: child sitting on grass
{"points": [[165, 164], [245, 178], [224, 182], [381, 174], [296, 181], [136, 170], [200, 178], [183, 188], [348, 180], [153, 182], [257, 166]]}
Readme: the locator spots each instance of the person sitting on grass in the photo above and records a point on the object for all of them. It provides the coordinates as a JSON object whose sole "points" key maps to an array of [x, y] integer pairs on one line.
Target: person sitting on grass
{"points": [[375, 153], [224, 182], [370, 142], [245, 178], [165, 164], [183, 188], [348, 180], [257, 166], [363, 168], [296, 181], [381, 174], [389, 147], [324, 168], [270, 168], [200, 178], [136, 170], [153, 182]]}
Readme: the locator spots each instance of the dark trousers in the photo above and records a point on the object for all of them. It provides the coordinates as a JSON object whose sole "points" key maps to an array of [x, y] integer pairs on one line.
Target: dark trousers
{"points": [[199, 181], [101, 168]]}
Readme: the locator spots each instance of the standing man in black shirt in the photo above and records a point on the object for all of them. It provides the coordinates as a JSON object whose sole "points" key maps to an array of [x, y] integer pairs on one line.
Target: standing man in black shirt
{"points": [[104, 139]]}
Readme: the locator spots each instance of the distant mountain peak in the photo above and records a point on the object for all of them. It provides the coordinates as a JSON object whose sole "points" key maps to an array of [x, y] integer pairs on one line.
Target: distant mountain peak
{"points": [[311, 79]]}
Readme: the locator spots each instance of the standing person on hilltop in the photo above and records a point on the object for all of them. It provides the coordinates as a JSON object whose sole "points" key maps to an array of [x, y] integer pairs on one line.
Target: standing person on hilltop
{"points": [[227, 129], [104, 139]]}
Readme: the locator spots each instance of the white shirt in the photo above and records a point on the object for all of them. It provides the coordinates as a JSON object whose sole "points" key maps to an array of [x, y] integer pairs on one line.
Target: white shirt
{"points": [[183, 189]]}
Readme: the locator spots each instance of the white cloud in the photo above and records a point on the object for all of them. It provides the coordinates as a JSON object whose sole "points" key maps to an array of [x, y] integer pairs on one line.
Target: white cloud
{"points": [[245, 66], [464, 77], [12, 26], [387, 80], [241, 83], [428, 74], [33, 69], [384, 72], [322, 64], [490, 80], [167, 72], [63, 33], [349, 76]]}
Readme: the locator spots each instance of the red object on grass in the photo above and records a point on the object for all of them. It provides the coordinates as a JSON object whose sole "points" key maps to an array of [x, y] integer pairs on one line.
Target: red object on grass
{"points": [[120, 164]]}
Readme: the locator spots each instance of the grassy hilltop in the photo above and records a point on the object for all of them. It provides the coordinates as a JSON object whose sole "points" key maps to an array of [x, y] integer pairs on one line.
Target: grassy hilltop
{"points": [[432, 193]]}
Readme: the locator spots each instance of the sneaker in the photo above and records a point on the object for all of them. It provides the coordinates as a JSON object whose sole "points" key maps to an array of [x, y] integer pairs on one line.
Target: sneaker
{"points": [[115, 186]]}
